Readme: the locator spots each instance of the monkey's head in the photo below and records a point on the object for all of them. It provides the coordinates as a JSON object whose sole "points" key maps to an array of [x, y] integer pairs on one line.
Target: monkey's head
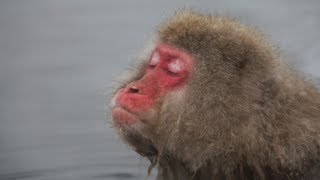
{"points": [[196, 95]]}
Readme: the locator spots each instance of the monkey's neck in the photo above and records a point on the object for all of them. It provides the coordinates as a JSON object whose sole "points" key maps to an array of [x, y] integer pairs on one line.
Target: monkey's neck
{"points": [[172, 169]]}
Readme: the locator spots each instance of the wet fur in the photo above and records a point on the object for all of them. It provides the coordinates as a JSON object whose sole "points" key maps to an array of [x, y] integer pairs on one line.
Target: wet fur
{"points": [[244, 115]]}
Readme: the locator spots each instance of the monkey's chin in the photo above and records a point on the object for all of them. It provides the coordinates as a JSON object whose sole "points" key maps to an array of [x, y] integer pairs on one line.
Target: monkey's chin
{"points": [[123, 117]]}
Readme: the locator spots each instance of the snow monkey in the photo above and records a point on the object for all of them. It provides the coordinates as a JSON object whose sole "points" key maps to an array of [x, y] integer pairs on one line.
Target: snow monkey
{"points": [[213, 99]]}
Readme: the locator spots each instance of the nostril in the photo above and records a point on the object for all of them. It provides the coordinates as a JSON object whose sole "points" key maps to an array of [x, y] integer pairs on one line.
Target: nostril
{"points": [[133, 89]]}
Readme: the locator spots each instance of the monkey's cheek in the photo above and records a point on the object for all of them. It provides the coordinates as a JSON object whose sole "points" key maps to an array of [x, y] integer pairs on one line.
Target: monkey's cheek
{"points": [[123, 117]]}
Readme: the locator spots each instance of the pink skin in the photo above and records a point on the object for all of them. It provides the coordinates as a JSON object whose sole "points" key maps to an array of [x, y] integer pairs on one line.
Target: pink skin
{"points": [[168, 70]]}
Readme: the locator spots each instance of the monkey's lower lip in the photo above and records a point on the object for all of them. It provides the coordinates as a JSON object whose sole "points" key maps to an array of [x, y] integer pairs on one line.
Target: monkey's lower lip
{"points": [[122, 116]]}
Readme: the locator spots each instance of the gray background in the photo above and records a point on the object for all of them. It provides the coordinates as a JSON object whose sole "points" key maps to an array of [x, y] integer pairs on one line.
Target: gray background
{"points": [[58, 58]]}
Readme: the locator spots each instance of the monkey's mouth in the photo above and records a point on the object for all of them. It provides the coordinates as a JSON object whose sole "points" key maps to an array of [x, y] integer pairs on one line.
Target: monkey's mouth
{"points": [[123, 116]]}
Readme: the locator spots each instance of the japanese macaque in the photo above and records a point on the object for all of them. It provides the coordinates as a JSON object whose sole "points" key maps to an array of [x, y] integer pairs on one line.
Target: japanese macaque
{"points": [[214, 100]]}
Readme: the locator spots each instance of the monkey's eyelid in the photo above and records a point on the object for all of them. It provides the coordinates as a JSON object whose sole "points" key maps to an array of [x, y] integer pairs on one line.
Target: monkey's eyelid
{"points": [[175, 66], [170, 73], [155, 58]]}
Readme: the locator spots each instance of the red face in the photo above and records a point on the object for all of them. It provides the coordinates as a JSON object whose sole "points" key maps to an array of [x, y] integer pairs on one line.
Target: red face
{"points": [[168, 70]]}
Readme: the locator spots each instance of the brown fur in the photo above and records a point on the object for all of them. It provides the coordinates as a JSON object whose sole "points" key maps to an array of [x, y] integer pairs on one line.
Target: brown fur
{"points": [[244, 115]]}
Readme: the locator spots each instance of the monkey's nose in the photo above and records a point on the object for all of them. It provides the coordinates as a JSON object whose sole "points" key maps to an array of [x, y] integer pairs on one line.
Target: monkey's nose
{"points": [[133, 89]]}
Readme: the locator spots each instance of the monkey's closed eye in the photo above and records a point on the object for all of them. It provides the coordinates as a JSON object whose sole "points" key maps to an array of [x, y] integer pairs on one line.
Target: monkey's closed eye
{"points": [[170, 73], [175, 67]]}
